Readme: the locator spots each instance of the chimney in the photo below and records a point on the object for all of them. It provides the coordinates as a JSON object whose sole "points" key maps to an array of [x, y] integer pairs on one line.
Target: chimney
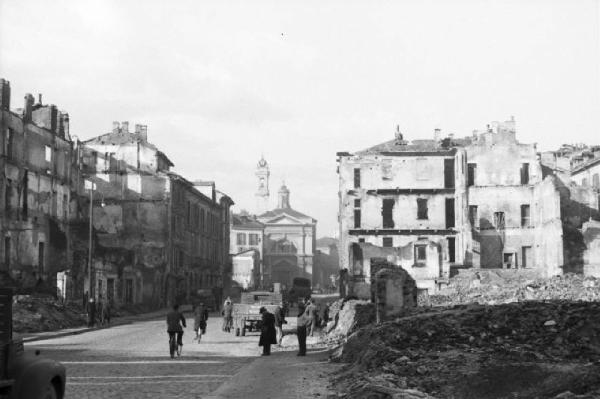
{"points": [[40, 98], [125, 127], [115, 127], [143, 133], [4, 94], [65, 119], [436, 134], [28, 108]]}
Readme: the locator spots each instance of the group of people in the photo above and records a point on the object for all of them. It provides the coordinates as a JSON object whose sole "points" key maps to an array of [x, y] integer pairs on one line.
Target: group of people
{"points": [[310, 317], [98, 312]]}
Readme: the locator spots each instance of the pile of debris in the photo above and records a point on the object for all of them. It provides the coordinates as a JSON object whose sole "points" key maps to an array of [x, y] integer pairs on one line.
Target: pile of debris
{"points": [[44, 313], [348, 316], [505, 286], [531, 349]]}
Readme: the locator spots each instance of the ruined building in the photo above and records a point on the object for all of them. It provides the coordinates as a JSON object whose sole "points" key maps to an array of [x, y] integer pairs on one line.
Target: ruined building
{"points": [[38, 194], [433, 206], [160, 238], [513, 211], [406, 201], [577, 168]]}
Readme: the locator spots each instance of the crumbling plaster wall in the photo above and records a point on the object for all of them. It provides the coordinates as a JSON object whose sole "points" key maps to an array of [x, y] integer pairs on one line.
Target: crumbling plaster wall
{"points": [[39, 169]]}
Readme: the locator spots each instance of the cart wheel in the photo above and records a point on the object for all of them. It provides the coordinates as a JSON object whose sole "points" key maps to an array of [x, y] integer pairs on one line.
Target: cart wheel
{"points": [[237, 332], [243, 332]]}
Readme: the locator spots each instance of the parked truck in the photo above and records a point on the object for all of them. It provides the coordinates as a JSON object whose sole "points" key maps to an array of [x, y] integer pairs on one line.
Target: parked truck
{"points": [[246, 316], [25, 376]]}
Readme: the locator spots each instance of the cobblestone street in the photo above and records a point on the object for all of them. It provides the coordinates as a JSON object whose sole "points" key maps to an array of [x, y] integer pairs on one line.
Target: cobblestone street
{"points": [[132, 361]]}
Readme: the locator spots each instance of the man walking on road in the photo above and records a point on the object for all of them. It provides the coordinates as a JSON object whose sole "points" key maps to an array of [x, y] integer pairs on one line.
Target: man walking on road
{"points": [[227, 313], [279, 322], [302, 323]]}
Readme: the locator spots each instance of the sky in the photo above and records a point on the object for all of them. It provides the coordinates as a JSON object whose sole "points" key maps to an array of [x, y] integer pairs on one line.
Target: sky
{"points": [[221, 82]]}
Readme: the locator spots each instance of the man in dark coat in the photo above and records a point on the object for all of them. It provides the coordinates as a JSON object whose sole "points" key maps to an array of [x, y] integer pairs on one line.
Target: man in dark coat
{"points": [[267, 331], [91, 312]]}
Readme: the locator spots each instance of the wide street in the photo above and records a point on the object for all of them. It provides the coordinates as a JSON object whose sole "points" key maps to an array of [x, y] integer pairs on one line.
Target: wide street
{"points": [[132, 361]]}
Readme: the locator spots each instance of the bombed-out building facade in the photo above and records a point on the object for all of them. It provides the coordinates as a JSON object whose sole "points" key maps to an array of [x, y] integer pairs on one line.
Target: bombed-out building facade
{"points": [[435, 206], [103, 217], [38, 188], [161, 238]]}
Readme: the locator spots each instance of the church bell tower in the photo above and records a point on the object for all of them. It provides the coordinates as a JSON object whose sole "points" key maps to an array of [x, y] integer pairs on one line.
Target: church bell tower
{"points": [[262, 193]]}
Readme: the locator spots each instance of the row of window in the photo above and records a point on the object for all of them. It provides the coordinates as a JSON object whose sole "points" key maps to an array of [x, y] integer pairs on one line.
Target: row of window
{"points": [[499, 219], [41, 255], [199, 219], [420, 250], [595, 181], [423, 173], [11, 197], [252, 239], [387, 212]]}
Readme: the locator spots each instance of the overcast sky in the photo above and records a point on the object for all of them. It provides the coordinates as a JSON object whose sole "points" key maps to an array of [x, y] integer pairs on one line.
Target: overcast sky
{"points": [[218, 83]]}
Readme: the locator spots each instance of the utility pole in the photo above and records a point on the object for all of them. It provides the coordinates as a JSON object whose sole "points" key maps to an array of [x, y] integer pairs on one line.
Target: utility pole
{"points": [[91, 285]]}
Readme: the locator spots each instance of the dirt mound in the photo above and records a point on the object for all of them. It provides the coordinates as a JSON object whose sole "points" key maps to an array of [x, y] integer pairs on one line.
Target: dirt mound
{"points": [[40, 313], [557, 343]]}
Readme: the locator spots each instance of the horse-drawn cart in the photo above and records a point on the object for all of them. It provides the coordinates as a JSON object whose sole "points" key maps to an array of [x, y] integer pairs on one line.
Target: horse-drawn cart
{"points": [[246, 316]]}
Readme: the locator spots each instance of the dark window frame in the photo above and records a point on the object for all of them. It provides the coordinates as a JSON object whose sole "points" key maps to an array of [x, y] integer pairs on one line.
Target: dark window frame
{"points": [[420, 254], [525, 215], [357, 178], [422, 209]]}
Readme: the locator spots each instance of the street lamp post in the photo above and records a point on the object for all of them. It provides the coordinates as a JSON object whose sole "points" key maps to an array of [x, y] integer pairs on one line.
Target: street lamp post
{"points": [[91, 217]]}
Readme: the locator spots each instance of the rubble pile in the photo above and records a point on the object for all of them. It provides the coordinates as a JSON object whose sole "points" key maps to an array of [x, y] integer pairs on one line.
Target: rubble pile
{"points": [[496, 287], [538, 349], [40, 313], [349, 316]]}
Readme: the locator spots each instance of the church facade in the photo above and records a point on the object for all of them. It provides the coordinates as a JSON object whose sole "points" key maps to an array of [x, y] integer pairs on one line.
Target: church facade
{"points": [[289, 236]]}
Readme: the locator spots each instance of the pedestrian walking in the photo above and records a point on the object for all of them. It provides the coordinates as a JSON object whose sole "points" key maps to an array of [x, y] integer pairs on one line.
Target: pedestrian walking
{"points": [[279, 322], [105, 314], [227, 314], [99, 310], [200, 318], [91, 312], [302, 323], [267, 331], [311, 313]]}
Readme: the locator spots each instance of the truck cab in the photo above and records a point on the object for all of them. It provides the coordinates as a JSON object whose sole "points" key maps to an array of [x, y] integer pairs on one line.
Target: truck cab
{"points": [[25, 376]]}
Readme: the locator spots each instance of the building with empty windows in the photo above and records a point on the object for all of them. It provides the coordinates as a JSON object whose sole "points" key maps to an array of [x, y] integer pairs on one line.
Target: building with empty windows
{"points": [[432, 206], [515, 214], [38, 187], [405, 202], [160, 237]]}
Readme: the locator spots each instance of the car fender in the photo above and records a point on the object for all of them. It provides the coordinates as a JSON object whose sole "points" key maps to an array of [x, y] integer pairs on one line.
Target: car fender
{"points": [[32, 374]]}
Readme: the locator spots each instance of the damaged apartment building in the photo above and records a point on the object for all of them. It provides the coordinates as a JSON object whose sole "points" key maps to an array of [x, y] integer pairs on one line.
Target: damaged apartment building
{"points": [[577, 168], [434, 206], [38, 190], [160, 237]]}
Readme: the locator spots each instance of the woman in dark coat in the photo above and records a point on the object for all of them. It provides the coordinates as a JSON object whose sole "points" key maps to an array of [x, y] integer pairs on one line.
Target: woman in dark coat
{"points": [[268, 336]]}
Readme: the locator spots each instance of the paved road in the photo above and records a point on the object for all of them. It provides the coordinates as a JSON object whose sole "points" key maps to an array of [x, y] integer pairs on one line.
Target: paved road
{"points": [[132, 361]]}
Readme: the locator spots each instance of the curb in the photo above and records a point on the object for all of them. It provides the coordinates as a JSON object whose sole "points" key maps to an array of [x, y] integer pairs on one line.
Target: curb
{"points": [[61, 333]]}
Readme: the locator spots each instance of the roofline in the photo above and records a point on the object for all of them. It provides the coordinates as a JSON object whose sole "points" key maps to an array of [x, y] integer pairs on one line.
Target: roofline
{"points": [[585, 166]]}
